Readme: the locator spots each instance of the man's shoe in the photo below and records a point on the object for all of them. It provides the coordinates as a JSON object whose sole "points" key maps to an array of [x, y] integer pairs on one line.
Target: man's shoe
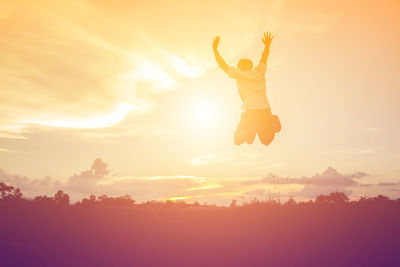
{"points": [[276, 124]]}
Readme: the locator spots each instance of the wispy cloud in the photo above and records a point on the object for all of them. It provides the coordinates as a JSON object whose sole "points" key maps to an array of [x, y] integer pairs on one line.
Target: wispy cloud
{"points": [[248, 159], [350, 151], [366, 151], [204, 187], [329, 177], [203, 159], [61, 69], [102, 121], [5, 150]]}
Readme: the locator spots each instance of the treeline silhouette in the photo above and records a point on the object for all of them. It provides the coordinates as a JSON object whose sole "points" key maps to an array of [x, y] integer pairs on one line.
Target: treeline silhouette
{"points": [[117, 231]]}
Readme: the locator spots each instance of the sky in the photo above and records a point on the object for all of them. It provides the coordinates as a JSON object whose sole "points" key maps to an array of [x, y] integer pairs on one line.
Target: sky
{"points": [[125, 97]]}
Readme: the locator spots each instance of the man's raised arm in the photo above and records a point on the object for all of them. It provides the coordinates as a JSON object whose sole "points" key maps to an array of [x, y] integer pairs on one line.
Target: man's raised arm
{"points": [[221, 63], [267, 42]]}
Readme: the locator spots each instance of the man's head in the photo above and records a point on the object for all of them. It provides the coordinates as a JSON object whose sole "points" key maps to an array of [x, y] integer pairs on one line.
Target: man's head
{"points": [[245, 64]]}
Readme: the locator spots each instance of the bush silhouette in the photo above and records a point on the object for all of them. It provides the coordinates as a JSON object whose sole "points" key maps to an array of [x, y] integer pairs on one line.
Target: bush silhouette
{"points": [[9, 192], [118, 231], [332, 198]]}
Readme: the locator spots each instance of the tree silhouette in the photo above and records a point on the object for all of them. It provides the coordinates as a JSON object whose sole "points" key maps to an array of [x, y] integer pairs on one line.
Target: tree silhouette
{"points": [[105, 200], [61, 198], [9, 192], [290, 203], [332, 198]]}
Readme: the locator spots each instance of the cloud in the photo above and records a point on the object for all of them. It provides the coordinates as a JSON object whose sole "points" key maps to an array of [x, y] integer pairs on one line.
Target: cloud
{"points": [[214, 158], [394, 189], [350, 151], [204, 187], [99, 168], [87, 180], [117, 115], [99, 180], [5, 150], [256, 192], [30, 187], [366, 151], [388, 184], [311, 191], [328, 181], [204, 159], [248, 159], [75, 65], [330, 177]]}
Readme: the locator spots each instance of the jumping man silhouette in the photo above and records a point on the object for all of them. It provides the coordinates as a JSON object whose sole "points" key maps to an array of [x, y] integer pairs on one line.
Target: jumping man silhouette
{"points": [[256, 117]]}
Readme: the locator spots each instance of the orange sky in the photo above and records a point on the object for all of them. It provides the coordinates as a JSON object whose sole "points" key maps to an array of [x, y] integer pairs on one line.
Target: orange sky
{"points": [[135, 84]]}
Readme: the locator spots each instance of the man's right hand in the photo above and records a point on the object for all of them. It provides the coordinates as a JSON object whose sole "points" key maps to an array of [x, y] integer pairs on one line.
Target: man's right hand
{"points": [[267, 42], [267, 39], [216, 42]]}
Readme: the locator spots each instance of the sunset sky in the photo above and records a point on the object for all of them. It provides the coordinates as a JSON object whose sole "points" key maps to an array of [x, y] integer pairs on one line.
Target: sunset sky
{"points": [[134, 85]]}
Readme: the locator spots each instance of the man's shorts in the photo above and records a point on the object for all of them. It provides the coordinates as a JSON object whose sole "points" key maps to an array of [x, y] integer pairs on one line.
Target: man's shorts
{"points": [[258, 121]]}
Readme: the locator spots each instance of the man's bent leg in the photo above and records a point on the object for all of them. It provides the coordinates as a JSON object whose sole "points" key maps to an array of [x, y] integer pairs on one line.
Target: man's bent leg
{"points": [[266, 137], [239, 138], [250, 137], [244, 136], [266, 129], [245, 131]]}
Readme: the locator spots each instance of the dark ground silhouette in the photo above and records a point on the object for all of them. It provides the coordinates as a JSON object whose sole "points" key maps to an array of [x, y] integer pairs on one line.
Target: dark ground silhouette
{"points": [[107, 231]]}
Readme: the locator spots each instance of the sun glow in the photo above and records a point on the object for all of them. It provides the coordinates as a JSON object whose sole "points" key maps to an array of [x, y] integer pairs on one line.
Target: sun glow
{"points": [[204, 187], [204, 115], [178, 198]]}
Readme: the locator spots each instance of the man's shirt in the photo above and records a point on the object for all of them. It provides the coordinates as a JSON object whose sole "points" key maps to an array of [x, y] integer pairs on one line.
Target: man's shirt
{"points": [[252, 86]]}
